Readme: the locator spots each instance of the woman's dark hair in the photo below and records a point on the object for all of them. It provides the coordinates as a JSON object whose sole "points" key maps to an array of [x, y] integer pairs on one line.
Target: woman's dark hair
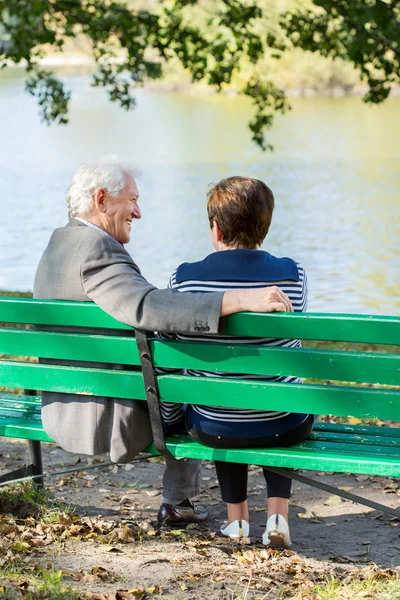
{"points": [[243, 209]]}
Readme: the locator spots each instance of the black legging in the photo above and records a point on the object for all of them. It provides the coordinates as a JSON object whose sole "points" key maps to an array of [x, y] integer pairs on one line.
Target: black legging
{"points": [[232, 477]]}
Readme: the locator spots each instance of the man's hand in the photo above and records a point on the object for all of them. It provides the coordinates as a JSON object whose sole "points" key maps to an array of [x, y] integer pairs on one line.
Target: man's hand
{"points": [[267, 299]]}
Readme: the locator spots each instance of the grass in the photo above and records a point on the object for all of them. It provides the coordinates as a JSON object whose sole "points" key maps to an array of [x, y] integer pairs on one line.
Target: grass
{"points": [[24, 509], [17, 294], [384, 586], [24, 500], [31, 583]]}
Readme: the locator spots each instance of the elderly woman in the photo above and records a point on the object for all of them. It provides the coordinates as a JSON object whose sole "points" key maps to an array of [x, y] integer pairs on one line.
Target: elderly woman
{"points": [[240, 212]]}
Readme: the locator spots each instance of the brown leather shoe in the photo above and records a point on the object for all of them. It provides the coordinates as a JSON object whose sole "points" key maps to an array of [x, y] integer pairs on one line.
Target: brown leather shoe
{"points": [[178, 515]]}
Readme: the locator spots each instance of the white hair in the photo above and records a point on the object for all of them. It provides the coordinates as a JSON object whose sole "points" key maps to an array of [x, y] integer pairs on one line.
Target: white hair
{"points": [[107, 172]]}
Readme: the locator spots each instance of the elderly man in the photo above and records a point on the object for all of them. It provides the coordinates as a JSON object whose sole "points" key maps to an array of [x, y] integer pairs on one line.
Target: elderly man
{"points": [[86, 260]]}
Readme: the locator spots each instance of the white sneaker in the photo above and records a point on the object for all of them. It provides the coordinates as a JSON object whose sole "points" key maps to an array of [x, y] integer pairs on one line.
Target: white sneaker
{"points": [[276, 533], [236, 529]]}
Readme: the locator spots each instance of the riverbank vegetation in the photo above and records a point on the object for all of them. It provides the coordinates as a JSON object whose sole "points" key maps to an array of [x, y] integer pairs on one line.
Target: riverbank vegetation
{"points": [[220, 43]]}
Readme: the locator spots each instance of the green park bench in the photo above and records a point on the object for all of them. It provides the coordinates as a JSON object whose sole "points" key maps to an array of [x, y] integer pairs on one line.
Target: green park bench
{"points": [[362, 449]]}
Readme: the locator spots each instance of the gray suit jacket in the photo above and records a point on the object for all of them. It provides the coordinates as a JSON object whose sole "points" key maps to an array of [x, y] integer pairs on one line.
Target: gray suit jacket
{"points": [[82, 263]]}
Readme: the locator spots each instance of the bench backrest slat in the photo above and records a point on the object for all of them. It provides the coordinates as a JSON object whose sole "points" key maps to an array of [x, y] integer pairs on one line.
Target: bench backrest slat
{"points": [[367, 367], [57, 313], [370, 329], [318, 399], [120, 348], [72, 380], [314, 326], [211, 391], [69, 346]]}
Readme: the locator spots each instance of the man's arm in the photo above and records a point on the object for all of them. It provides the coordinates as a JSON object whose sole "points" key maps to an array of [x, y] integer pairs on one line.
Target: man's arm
{"points": [[268, 299], [111, 279]]}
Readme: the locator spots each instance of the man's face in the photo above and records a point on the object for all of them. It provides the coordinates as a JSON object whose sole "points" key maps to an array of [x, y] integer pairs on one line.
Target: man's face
{"points": [[118, 213]]}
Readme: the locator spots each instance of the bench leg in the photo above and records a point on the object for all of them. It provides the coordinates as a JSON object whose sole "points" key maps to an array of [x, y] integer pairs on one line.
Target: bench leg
{"points": [[393, 512], [36, 461], [35, 468], [17, 474]]}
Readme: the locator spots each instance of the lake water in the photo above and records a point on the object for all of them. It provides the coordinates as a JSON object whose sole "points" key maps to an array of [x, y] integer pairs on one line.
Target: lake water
{"points": [[334, 172]]}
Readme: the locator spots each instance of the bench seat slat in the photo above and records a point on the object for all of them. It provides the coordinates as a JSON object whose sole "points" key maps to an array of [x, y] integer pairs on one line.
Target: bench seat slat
{"points": [[19, 400], [367, 430], [27, 429], [19, 410], [349, 447], [348, 438], [292, 457]]}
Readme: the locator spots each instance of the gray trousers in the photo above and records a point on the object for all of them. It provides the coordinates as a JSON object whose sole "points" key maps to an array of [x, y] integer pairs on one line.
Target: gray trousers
{"points": [[181, 480]]}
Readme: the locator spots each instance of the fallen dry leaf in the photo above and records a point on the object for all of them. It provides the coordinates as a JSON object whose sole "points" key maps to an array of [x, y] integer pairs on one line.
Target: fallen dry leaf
{"points": [[333, 500]]}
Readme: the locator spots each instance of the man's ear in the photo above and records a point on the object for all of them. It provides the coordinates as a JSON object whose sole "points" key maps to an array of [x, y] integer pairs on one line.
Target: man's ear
{"points": [[99, 200]]}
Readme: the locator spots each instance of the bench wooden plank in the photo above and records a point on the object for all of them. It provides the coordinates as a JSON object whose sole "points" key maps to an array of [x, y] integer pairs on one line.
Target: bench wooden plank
{"points": [[348, 448], [343, 448], [26, 429], [292, 457], [349, 438], [368, 430], [370, 329], [260, 395], [312, 326], [366, 367], [17, 400], [86, 381], [56, 312], [69, 346], [210, 391], [317, 364]]}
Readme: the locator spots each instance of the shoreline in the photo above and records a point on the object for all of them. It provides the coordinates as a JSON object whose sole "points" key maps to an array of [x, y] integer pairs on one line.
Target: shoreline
{"points": [[85, 65]]}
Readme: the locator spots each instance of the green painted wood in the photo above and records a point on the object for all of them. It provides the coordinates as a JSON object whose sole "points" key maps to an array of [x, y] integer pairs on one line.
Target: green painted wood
{"points": [[210, 391], [317, 326], [14, 407], [16, 411], [101, 382], [69, 346], [16, 415], [317, 399], [25, 429], [56, 312], [317, 460], [348, 438], [7, 399], [367, 430], [362, 367], [317, 364], [348, 449]]}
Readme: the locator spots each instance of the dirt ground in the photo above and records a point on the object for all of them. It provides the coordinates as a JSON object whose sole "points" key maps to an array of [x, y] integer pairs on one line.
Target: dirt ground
{"points": [[113, 504]]}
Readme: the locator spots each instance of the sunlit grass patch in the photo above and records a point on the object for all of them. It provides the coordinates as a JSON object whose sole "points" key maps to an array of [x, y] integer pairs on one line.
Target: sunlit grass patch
{"points": [[32, 583], [26, 499], [383, 585]]}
